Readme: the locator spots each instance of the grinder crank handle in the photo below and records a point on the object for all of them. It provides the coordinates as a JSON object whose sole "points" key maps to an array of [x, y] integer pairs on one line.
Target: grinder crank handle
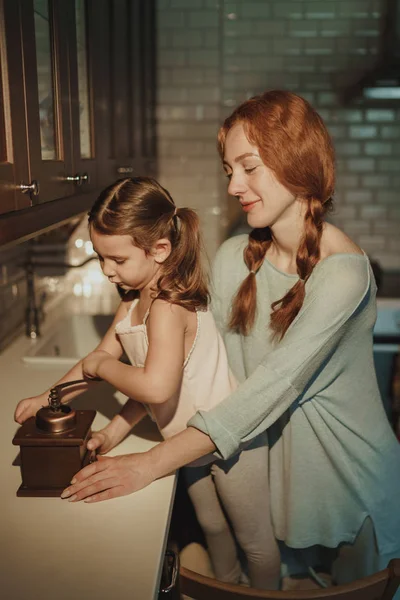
{"points": [[60, 386], [54, 396]]}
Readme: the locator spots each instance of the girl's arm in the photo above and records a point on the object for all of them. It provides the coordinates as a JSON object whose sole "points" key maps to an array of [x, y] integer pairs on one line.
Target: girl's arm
{"points": [[29, 406], [161, 376], [110, 436]]}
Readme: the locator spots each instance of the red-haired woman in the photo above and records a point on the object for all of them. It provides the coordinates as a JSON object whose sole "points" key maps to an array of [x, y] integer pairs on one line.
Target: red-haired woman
{"points": [[295, 302]]}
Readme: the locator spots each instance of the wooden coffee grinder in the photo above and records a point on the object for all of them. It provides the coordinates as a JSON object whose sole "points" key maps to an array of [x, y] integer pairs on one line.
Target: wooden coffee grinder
{"points": [[53, 446]]}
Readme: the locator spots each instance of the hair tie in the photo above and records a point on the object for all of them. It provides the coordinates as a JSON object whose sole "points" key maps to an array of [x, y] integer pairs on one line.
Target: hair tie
{"points": [[175, 211]]}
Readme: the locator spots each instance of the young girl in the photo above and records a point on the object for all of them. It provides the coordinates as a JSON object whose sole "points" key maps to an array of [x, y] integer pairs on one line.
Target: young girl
{"points": [[151, 250], [295, 301]]}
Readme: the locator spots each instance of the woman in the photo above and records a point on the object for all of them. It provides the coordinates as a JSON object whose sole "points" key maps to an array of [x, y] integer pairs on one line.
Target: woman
{"points": [[295, 302]]}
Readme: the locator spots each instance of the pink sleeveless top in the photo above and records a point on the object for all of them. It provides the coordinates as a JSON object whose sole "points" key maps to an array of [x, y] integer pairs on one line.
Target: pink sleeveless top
{"points": [[207, 378]]}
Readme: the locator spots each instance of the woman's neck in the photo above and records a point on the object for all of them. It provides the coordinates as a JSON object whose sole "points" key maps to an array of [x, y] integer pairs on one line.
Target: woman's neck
{"points": [[287, 234]]}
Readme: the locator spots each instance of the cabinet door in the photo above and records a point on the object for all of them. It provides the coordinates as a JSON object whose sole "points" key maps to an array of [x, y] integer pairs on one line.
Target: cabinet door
{"points": [[81, 90], [124, 79], [46, 26], [13, 145]]}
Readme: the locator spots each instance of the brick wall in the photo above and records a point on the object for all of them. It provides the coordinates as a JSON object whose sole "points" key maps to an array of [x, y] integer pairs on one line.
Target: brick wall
{"points": [[214, 54], [189, 106]]}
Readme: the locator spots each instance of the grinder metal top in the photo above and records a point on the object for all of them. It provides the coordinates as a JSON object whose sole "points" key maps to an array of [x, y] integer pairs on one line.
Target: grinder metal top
{"points": [[57, 417]]}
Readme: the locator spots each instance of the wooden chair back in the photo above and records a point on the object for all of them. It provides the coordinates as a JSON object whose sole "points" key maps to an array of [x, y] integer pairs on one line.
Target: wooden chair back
{"points": [[380, 586]]}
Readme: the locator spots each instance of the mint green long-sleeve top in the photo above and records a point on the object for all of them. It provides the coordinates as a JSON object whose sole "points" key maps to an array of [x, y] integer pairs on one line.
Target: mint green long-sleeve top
{"points": [[333, 457]]}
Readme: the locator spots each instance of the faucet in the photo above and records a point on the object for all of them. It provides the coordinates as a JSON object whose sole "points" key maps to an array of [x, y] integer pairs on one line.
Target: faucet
{"points": [[34, 313], [32, 328]]}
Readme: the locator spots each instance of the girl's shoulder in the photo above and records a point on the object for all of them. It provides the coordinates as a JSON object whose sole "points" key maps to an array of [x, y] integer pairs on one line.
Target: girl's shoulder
{"points": [[162, 310]]}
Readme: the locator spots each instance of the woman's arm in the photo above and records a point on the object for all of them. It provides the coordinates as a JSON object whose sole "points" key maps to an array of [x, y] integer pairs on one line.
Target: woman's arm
{"points": [[111, 477], [161, 376]]}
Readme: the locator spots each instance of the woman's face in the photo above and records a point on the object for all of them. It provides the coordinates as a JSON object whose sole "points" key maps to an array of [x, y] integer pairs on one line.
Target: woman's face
{"points": [[263, 198]]}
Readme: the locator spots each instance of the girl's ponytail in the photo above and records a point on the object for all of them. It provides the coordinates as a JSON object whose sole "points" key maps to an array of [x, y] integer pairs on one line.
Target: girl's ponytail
{"points": [[183, 280]]}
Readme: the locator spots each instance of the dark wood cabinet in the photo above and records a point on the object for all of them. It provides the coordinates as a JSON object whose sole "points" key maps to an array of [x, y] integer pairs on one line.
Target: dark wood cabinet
{"points": [[46, 27], [124, 35], [77, 106], [83, 91], [14, 167]]}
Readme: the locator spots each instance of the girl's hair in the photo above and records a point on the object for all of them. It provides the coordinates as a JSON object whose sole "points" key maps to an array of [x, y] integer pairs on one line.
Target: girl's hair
{"points": [[142, 208], [294, 143]]}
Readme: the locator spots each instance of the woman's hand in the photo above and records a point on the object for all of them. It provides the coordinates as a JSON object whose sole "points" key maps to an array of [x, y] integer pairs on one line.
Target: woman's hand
{"points": [[110, 477], [92, 362], [28, 407]]}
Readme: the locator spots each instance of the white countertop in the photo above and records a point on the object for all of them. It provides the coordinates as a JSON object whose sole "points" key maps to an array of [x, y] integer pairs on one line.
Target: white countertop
{"points": [[52, 548]]}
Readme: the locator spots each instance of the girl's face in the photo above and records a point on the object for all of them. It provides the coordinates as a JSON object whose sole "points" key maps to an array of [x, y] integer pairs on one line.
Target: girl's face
{"points": [[122, 262], [263, 198]]}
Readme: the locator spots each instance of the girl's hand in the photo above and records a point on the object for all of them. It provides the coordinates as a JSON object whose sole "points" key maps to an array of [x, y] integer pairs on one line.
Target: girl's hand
{"points": [[110, 477], [91, 363], [101, 441], [29, 406]]}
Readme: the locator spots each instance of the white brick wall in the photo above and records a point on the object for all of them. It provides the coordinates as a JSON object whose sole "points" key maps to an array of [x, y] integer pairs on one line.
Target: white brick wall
{"points": [[215, 53], [189, 99]]}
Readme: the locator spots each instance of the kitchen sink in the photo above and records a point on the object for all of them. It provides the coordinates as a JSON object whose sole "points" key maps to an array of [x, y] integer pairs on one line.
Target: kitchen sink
{"points": [[70, 339]]}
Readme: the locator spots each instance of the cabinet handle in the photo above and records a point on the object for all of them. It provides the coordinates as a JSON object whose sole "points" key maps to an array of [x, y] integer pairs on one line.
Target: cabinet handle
{"points": [[124, 170], [30, 188], [79, 178], [73, 178]]}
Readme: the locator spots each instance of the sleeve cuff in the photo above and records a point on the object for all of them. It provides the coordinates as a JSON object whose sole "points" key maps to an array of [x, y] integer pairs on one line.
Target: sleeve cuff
{"points": [[226, 443]]}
